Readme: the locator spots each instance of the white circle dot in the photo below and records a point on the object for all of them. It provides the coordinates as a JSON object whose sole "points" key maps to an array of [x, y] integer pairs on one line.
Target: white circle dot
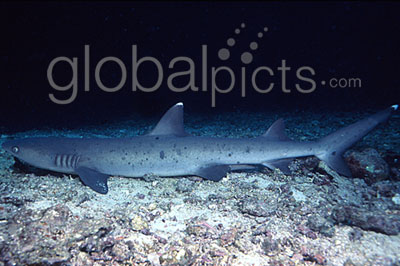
{"points": [[246, 58], [260, 35], [242, 25], [231, 42], [265, 29], [253, 46], [237, 31], [223, 54], [323, 82]]}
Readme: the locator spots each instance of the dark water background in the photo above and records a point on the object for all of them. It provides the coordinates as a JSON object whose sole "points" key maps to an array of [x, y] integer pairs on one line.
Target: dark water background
{"points": [[336, 39]]}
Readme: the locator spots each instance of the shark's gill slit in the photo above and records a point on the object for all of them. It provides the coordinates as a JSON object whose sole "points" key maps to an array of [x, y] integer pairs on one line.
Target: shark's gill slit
{"points": [[69, 157], [69, 161], [58, 160], [75, 161]]}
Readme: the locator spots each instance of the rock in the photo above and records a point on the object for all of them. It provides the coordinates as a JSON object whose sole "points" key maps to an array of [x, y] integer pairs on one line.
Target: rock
{"points": [[349, 262], [152, 207], [374, 221], [395, 173], [154, 258], [17, 202], [82, 258], [140, 196], [261, 230], [322, 180], [97, 242], [396, 199], [199, 230], [306, 165], [121, 251], [356, 234], [39, 238], [138, 223], [227, 238], [216, 198], [256, 207], [319, 259], [321, 225], [175, 257], [180, 255], [385, 189], [304, 230], [184, 185], [193, 199], [270, 247], [296, 258], [368, 165]]}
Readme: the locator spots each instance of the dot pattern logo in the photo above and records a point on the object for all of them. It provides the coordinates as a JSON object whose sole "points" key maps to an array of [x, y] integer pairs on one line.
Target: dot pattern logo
{"points": [[246, 57]]}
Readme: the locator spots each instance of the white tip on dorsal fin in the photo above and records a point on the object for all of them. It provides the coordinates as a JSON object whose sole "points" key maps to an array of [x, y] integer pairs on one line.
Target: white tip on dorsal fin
{"points": [[395, 107], [171, 123], [276, 132]]}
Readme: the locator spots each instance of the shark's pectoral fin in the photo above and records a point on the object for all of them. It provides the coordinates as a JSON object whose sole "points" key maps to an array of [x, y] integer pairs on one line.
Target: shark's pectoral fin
{"points": [[281, 164], [93, 179], [243, 167], [213, 172]]}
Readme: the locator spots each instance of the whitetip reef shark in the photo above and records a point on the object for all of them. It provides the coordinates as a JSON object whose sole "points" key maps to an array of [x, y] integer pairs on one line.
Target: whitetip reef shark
{"points": [[169, 151]]}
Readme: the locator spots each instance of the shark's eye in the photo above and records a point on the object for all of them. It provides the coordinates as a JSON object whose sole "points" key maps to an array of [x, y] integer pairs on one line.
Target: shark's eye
{"points": [[15, 149]]}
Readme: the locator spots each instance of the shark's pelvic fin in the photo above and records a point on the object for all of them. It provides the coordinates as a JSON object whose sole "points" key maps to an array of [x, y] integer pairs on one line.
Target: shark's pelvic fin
{"points": [[276, 132], [93, 179], [281, 164], [213, 172], [171, 123]]}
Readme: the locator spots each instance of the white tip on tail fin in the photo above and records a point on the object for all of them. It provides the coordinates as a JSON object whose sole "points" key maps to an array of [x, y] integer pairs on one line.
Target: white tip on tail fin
{"points": [[179, 104], [395, 106]]}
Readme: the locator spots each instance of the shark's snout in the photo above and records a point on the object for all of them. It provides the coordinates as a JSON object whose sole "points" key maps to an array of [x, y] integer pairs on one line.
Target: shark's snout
{"points": [[6, 146], [11, 147]]}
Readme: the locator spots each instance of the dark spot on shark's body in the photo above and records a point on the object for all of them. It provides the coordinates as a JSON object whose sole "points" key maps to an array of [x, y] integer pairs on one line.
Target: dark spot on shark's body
{"points": [[162, 155]]}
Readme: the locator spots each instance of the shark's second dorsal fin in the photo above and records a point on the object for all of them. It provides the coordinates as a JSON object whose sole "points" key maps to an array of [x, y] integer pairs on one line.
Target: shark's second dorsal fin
{"points": [[276, 132], [171, 123]]}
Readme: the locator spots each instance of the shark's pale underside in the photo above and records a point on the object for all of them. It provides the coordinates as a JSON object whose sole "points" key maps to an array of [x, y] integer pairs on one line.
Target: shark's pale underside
{"points": [[169, 151]]}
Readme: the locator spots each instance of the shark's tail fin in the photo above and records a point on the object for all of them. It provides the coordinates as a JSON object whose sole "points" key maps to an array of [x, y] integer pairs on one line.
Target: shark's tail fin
{"points": [[334, 145]]}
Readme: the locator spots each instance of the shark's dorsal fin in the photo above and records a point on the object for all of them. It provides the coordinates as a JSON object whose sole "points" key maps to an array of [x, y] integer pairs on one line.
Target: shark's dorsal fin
{"points": [[171, 123], [276, 132]]}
